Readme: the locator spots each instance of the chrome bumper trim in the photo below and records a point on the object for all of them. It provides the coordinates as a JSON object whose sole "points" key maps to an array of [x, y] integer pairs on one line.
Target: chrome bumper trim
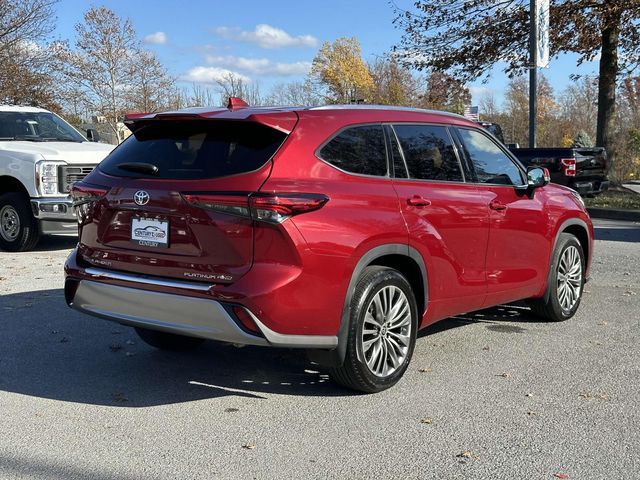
{"points": [[183, 315], [100, 273], [69, 215]]}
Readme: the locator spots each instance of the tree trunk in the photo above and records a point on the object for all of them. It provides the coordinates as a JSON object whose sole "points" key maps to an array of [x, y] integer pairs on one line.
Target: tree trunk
{"points": [[607, 84]]}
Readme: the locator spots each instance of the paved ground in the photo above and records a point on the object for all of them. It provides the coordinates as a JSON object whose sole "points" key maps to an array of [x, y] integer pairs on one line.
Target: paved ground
{"points": [[633, 186], [492, 395]]}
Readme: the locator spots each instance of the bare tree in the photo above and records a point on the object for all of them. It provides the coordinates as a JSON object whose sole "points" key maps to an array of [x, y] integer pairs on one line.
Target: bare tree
{"points": [[25, 61], [293, 93], [101, 65], [152, 86], [232, 85]]}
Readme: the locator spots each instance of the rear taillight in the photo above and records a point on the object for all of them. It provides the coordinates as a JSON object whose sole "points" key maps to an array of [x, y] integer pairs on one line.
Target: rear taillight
{"points": [[264, 207], [568, 167], [84, 195]]}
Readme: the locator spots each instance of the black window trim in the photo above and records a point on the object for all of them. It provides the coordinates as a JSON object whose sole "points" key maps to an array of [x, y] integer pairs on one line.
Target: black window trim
{"points": [[509, 155], [388, 131], [346, 127], [453, 144]]}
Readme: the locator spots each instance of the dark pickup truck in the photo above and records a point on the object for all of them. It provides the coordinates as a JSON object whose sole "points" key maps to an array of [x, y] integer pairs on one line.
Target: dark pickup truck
{"points": [[583, 169]]}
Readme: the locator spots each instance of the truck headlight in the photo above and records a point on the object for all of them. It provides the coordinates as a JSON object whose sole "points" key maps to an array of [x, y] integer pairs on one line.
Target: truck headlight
{"points": [[47, 177]]}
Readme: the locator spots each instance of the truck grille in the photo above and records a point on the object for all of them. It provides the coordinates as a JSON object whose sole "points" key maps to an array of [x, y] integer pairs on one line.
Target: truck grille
{"points": [[70, 174]]}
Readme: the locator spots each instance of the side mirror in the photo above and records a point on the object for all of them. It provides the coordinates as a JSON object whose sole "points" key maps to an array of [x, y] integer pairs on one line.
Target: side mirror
{"points": [[538, 177], [93, 135]]}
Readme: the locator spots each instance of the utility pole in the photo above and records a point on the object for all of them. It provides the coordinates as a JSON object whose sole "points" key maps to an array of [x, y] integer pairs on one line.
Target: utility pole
{"points": [[533, 72]]}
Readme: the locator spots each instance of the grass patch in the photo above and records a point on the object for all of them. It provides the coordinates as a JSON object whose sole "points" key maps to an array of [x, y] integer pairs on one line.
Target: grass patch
{"points": [[622, 199]]}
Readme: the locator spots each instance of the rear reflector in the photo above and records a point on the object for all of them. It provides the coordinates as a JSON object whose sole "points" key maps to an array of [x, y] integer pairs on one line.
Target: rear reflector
{"points": [[264, 207], [568, 167], [84, 196], [245, 319]]}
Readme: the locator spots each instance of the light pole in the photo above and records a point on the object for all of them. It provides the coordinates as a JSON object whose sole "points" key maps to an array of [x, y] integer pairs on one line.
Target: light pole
{"points": [[533, 72]]}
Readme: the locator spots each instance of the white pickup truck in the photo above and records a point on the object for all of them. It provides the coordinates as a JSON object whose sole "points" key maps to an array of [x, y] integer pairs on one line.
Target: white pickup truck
{"points": [[41, 156]]}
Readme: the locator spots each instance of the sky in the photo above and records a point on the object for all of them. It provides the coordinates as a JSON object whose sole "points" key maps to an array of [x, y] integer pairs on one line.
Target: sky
{"points": [[269, 42]]}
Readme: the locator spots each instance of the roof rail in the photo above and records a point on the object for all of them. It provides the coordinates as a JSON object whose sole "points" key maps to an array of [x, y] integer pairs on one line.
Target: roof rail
{"points": [[361, 106]]}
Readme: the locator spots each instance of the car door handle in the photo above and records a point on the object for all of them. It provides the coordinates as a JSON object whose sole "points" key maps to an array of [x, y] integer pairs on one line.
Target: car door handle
{"points": [[418, 201], [496, 205]]}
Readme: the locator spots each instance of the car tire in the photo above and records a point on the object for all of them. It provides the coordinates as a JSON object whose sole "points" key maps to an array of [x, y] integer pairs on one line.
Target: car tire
{"points": [[18, 228], [382, 331], [566, 282], [168, 341]]}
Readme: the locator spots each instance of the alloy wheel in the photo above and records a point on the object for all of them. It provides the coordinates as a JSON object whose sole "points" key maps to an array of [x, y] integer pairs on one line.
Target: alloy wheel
{"points": [[386, 332], [569, 278]]}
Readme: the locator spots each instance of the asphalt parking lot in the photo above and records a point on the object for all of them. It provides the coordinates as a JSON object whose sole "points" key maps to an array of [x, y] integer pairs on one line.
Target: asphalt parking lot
{"points": [[495, 394]]}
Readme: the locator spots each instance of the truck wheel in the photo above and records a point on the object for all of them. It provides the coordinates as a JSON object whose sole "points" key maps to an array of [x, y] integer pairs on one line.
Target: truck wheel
{"points": [[566, 282], [18, 228], [168, 341], [382, 331]]}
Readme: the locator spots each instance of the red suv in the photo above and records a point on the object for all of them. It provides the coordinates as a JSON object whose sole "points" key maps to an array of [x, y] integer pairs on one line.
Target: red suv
{"points": [[341, 230]]}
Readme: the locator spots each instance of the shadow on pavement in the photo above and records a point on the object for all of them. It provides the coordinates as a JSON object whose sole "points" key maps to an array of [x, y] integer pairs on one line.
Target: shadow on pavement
{"points": [[48, 350], [49, 243], [617, 231], [494, 318]]}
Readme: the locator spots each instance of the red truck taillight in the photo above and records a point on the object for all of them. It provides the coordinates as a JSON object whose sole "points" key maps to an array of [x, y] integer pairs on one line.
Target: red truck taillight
{"points": [[84, 196], [265, 207], [568, 167]]}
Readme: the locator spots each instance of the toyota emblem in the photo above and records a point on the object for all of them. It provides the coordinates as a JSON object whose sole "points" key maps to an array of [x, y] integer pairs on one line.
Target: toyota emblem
{"points": [[141, 197]]}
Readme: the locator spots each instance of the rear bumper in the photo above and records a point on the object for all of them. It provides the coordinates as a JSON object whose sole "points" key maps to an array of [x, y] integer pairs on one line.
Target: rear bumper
{"points": [[587, 187], [133, 302]]}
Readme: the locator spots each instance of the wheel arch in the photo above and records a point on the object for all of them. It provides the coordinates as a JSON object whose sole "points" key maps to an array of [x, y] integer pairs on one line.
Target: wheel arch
{"points": [[401, 257], [10, 184], [579, 229]]}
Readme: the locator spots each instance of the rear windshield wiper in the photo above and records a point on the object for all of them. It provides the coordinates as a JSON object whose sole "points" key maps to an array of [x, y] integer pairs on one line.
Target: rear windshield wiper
{"points": [[139, 167]]}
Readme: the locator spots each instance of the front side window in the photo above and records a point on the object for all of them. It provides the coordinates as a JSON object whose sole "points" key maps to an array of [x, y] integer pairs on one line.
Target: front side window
{"points": [[491, 164], [429, 152], [358, 150]]}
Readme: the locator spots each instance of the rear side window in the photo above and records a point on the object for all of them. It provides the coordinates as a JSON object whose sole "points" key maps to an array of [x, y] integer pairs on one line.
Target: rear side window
{"points": [[429, 152], [190, 150], [491, 164], [358, 150]]}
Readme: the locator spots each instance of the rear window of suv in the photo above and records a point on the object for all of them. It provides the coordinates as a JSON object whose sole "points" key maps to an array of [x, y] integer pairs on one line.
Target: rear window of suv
{"points": [[192, 149]]}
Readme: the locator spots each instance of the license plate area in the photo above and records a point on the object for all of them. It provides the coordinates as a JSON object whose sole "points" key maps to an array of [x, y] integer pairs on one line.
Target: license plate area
{"points": [[150, 232]]}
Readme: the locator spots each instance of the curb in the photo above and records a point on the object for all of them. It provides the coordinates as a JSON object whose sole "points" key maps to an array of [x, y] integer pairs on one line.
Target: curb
{"points": [[613, 214]]}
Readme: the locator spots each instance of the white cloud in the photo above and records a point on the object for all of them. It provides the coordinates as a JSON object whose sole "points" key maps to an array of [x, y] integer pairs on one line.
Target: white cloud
{"points": [[259, 66], [210, 75], [157, 38], [266, 36]]}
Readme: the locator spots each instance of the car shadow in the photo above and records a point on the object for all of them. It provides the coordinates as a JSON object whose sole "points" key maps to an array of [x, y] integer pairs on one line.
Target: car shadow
{"points": [[615, 231], [495, 319], [50, 243], [48, 350]]}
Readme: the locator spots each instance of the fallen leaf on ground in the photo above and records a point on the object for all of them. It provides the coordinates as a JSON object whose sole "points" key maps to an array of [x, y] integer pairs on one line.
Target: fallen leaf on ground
{"points": [[486, 349], [249, 446], [231, 409], [115, 347], [424, 370], [528, 394], [561, 475], [531, 413], [130, 342], [428, 421], [504, 375], [467, 454], [130, 354], [597, 396], [64, 340]]}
